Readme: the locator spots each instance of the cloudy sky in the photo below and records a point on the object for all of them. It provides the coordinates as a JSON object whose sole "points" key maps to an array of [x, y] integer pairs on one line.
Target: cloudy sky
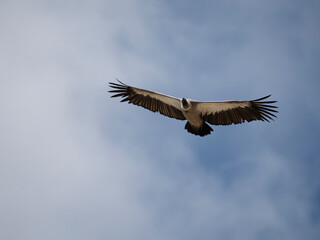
{"points": [[75, 164]]}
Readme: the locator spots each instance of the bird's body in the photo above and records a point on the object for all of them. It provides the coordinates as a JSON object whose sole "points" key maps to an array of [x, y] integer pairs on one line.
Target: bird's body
{"points": [[195, 112], [192, 115]]}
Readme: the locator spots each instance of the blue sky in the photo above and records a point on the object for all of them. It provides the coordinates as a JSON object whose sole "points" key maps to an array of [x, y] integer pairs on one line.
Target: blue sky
{"points": [[75, 164]]}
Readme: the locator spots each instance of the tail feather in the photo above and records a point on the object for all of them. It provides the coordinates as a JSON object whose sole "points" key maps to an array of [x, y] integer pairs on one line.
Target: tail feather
{"points": [[202, 131]]}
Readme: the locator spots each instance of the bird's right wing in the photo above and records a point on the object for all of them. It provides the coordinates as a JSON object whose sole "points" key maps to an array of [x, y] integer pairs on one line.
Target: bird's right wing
{"points": [[153, 101]]}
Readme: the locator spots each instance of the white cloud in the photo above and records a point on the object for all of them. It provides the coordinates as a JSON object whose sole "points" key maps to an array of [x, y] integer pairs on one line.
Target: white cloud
{"points": [[72, 168]]}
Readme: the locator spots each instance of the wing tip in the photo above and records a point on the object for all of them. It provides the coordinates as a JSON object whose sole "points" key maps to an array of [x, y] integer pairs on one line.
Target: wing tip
{"points": [[119, 89], [265, 108]]}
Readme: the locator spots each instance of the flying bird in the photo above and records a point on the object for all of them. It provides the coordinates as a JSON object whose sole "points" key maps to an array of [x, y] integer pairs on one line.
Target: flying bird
{"points": [[197, 113]]}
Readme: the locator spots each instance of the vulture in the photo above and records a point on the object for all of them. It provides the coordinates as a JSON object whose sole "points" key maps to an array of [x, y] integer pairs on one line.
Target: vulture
{"points": [[197, 113]]}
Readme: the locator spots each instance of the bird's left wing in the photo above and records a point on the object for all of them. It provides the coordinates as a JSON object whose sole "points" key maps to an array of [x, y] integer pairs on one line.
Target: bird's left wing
{"points": [[153, 101], [228, 112]]}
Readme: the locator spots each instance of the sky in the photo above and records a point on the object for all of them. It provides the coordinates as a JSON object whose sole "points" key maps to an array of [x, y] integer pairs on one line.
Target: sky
{"points": [[76, 164]]}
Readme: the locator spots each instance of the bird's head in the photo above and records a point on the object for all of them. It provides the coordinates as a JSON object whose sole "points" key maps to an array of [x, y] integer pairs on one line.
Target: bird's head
{"points": [[185, 104]]}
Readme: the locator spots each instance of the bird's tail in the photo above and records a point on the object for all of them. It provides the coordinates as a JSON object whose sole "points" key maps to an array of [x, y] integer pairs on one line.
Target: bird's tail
{"points": [[205, 129]]}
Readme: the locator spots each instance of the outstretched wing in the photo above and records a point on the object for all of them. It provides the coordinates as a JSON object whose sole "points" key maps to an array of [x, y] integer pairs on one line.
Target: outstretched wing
{"points": [[155, 102], [228, 112]]}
